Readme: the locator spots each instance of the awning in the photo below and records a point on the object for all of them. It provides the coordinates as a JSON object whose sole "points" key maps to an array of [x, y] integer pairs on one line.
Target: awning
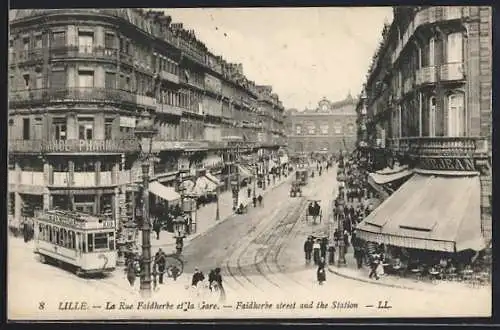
{"points": [[431, 213], [164, 192], [204, 185], [212, 178], [244, 172], [380, 178]]}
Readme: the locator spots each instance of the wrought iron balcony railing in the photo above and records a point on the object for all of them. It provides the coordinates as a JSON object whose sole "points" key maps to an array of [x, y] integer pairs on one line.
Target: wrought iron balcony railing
{"points": [[440, 146]]}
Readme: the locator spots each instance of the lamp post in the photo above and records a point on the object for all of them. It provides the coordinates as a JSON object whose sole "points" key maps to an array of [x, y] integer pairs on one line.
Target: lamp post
{"points": [[145, 131], [342, 202], [217, 212], [255, 180]]}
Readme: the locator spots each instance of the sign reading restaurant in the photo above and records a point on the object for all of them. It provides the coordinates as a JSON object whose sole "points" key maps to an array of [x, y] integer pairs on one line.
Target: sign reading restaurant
{"points": [[91, 145], [447, 164]]}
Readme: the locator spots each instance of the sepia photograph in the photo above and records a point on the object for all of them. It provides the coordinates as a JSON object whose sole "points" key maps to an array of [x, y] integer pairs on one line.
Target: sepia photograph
{"points": [[249, 163]]}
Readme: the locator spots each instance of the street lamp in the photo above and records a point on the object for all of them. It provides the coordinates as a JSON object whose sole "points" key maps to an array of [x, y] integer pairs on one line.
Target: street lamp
{"points": [[180, 233], [144, 131]]}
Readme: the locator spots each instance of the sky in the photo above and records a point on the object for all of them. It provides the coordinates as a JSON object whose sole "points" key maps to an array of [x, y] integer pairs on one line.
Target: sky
{"points": [[304, 53]]}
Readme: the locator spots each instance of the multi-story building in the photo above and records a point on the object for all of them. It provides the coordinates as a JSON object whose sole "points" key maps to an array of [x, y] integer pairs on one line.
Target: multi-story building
{"points": [[79, 79], [427, 105], [329, 128]]}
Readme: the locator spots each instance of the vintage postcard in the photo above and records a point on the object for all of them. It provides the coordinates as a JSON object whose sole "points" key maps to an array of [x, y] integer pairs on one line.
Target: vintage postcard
{"points": [[215, 163]]}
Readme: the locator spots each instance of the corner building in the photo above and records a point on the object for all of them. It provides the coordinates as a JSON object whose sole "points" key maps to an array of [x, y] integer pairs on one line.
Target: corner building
{"points": [[79, 78], [427, 105], [329, 128]]}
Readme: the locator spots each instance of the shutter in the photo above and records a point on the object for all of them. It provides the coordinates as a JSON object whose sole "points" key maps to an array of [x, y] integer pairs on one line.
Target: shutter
{"points": [[58, 79]]}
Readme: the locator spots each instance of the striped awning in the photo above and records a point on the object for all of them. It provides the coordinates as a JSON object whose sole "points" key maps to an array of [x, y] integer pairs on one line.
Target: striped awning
{"points": [[436, 213], [380, 178]]}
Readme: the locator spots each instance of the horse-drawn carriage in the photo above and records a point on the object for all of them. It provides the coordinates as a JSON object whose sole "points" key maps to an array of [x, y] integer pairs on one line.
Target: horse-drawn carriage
{"points": [[295, 189], [314, 211]]}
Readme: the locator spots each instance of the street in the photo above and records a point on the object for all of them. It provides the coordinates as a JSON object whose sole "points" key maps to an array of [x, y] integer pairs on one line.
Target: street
{"points": [[261, 257]]}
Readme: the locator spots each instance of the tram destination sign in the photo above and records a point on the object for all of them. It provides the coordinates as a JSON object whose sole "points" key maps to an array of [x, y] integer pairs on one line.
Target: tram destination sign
{"points": [[447, 164], [76, 222]]}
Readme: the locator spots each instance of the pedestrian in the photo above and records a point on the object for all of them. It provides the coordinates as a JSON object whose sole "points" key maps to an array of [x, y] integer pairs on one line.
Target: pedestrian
{"points": [[323, 247], [218, 280], [157, 228], [249, 192], [211, 279], [358, 255], [308, 248], [131, 273], [373, 267], [259, 198], [316, 252], [155, 276], [161, 261], [174, 272], [331, 253], [254, 201], [320, 273], [197, 278]]}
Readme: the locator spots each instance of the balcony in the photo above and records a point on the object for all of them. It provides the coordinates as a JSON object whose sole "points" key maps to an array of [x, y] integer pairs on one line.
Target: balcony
{"points": [[426, 75], [60, 179], [146, 101], [89, 52], [169, 109], [74, 94], [106, 179], [32, 178], [84, 179], [452, 72], [168, 76], [440, 146], [28, 56], [25, 146], [192, 52]]}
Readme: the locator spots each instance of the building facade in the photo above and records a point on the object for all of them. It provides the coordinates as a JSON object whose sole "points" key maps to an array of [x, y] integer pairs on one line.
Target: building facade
{"points": [[427, 103], [329, 128], [79, 79]]}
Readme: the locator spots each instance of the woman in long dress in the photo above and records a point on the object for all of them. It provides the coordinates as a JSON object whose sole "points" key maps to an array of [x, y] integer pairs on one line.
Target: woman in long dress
{"points": [[320, 273]]}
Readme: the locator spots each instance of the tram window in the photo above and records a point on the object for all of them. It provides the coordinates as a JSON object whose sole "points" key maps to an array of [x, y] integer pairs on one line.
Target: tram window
{"points": [[61, 237], [51, 234], [64, 240], [90, 241], [100, 241], [71, 239], [111, 241]]}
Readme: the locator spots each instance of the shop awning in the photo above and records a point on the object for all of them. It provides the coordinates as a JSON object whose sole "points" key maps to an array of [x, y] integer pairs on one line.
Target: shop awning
{"points": [[204, 185], [244, 172], [431, 213], [212, 178], [383, 178], [164, 192]]}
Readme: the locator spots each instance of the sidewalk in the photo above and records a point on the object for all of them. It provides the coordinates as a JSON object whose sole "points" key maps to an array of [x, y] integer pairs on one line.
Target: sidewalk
{"points": [[206, 215], [395, 281]]}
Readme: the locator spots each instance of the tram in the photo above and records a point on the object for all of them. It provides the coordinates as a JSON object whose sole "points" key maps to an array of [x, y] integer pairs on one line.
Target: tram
{"points": [[85, 243]]}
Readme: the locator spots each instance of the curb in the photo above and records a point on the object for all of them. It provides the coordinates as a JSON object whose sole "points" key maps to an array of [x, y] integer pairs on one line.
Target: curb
{"points": [[194, 236], [372, 282]]}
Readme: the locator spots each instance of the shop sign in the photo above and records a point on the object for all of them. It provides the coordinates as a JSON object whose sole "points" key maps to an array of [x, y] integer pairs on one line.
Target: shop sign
{"points": [[90, 145], [447, 164]]}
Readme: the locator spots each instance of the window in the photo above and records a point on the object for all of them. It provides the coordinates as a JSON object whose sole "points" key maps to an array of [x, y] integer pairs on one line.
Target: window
{"points": [[454, 49], [58, 79], [109, 40], [338, 128], [59, 125], [110, 80], [85, 128], [108, 127], [26, 78], [85, 42], [432, 116], [350, 128], [39, 81], [86, 79], [324, 129], [26, 44], [311, 129], [38, 42], [59, 39], [100, 241], [456, 115], [26, 128], [111, 241], [431, 52], [90, 240]]}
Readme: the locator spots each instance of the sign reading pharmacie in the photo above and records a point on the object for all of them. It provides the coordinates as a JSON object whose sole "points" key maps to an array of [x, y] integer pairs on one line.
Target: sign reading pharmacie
{"points": [[445, 163], [91, 145]]}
